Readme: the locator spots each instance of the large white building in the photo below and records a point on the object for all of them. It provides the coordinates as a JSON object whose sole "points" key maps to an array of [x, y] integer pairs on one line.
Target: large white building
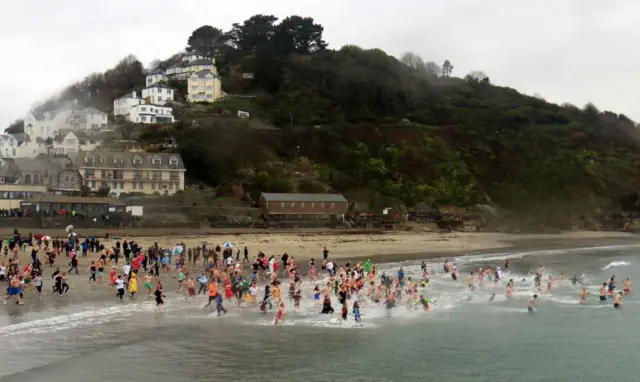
{"points": [[156, 77], [45, 124], [157, 94], [149, 113], [143, 110], [123, 104]]}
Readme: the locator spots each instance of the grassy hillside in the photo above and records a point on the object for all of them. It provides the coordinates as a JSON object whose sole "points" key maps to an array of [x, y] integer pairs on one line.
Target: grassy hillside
{"points": [[388, 131]]}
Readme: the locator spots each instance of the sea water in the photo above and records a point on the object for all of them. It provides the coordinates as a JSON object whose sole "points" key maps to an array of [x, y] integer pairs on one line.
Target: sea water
{"points": [[464, 337]]}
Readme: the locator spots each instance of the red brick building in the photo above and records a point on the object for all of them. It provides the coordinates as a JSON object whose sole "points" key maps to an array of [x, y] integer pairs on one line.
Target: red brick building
{"points": [[303, 204]]}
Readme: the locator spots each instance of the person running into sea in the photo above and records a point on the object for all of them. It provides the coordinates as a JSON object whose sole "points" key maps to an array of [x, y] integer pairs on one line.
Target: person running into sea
{"points": [[532, 304], [92, 271], [356, 311], [159, 295], [583, 296], [219, 308], [626, 286], [326, 305], [191, 288], [279, 314], [213, 292], [14, 290], [37, 282], [133, 284], [266, 300], [618, 302], [147, 283], [119, 287], [603, 292]]}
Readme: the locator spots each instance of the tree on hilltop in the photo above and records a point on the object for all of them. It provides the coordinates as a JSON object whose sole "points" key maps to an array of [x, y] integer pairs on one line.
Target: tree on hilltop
{"points": [[300, 35], [253, 34], [447, 68], [206, 40]]}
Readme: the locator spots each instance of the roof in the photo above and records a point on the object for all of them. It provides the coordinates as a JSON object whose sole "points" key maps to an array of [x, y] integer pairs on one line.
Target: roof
{"points": [[89, 110], [157, 71], [107, 159], [203, 73], [47, 198], [291, 197], [200, 61]]}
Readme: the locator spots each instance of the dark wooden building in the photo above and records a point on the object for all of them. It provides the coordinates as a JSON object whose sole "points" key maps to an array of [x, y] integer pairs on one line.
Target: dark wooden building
{"points": [[273, 204]]}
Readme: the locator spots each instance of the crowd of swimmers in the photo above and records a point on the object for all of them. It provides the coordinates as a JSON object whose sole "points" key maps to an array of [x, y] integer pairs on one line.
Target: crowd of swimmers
{"points": [[222, 276]]}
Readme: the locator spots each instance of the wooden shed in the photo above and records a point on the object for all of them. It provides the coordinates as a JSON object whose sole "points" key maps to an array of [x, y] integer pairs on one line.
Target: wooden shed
{"points": [[302, 204]]}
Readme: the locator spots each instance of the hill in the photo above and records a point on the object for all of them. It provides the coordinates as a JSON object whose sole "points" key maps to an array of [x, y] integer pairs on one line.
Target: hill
{"points": [[382, 130]]}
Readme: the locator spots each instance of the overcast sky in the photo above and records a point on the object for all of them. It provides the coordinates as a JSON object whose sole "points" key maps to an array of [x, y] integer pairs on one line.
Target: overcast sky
{"points": [[573, 51]]}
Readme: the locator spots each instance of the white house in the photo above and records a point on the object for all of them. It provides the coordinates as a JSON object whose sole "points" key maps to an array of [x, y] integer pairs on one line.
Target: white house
{"points": [[70, 142], [86, 119], [8, 146], [149, 113], [156, 77], [45, 124], [122, 105], [174, 70], [157, 94], [188, 57], [29, 146]]}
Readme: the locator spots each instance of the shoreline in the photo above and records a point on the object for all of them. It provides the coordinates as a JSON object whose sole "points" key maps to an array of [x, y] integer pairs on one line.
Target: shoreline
{"points": [[380, 248]]}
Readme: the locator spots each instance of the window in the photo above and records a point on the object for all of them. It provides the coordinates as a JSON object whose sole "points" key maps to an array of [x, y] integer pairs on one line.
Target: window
{"points": [[13, 151], [281, 205], [171, 186], [73, 180], [118, 174], [133, 185], [27, 179], [137, 161], [173, 161], [156, 161], [36, 180], [321, 205], [194, 88], [302, 204], [209, 96], [156, 175], [293, 204], [333, 205], [143, 109], [93, 184], [117, 161], [169, 91], [103, 174], [89, 173], [159, 98], [313, 205], [174, 175], [177, 186], [114, 185], [209, 87], [154, 186], [140, 186], [137, 175], [89, 161]]}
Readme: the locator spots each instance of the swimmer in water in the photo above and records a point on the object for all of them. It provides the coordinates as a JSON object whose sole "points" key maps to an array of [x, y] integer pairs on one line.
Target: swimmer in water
{"points": [[627, 286], [583, 296], [532, 304], [493, 296], [618, 303], [470, 281], [279, 314], [603, 292]]}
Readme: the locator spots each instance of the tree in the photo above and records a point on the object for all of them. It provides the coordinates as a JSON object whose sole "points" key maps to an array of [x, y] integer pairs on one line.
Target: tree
{"points": [[16, 127], [253, 34], [300, 35], [447, 68], [477, 77], [412, 60], [206, 40], [432, 69]]}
